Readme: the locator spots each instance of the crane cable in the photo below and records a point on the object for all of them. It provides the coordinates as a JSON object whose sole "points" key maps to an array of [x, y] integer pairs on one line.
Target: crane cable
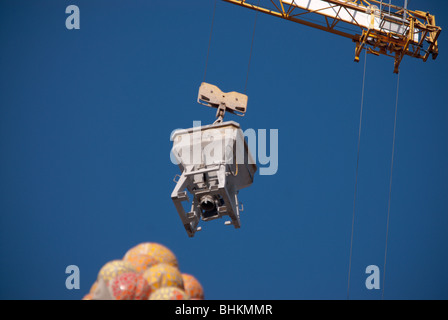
{"points": [[248, 65], [251, 45], [356, 175], [209, 41], [390, 181], [390, 185]]}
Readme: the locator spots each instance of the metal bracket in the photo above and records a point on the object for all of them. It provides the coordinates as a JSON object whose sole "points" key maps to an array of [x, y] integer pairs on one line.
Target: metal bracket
{"points": [[233, 102]]}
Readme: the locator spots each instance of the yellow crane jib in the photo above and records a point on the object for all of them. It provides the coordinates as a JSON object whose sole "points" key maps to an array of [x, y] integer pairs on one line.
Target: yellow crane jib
{"points": [[380, 28]]}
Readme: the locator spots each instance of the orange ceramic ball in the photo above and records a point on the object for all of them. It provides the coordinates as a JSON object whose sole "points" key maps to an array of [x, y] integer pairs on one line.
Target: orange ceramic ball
{"points": [[123, 286], [142, 288], [139, 261], [163, 275], [93, 287], [192, 287], [88, 296], [114, 268], [169, 293], [130, 286], [160, 253]]}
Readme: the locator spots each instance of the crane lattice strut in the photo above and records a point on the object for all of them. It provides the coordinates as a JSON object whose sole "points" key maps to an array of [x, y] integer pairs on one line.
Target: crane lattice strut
{"points": [[380, 28]]}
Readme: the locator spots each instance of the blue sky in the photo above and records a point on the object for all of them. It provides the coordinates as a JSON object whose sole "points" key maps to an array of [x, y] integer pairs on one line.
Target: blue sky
{"points": [[85, 171]]}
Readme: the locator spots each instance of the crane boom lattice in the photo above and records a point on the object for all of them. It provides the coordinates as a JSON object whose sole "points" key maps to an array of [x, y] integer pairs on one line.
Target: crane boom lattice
{"points": [[378, 27]]}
